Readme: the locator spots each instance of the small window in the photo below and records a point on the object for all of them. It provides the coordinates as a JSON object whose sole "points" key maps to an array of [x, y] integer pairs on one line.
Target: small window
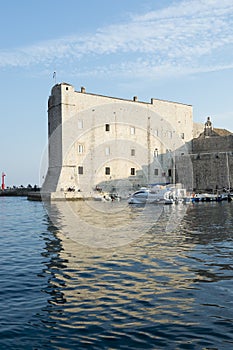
{"points": [[169, 134], [107, 151], [80, 124], [80, 170], [170, 172], [132, 171], [132, 130], [107, 127], [67, 88], [80, 148], [156, 152], [132, 152], [156, 172], [107, 170]]}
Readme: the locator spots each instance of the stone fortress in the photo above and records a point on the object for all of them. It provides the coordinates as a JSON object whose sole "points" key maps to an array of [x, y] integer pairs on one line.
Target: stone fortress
{"points": [[116, 145], [212, 159]]}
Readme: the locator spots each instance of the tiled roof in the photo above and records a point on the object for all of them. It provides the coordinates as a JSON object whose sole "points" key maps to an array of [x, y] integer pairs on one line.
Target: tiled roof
{"points": [[222, 132]]}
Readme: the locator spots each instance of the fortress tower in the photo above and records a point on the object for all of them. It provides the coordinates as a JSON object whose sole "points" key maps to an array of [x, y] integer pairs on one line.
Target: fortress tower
{"points": [[110, 143]]}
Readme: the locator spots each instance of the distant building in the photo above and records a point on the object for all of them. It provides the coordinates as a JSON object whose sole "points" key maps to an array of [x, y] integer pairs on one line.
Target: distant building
{"points": [[212, 158], [99, 142]]}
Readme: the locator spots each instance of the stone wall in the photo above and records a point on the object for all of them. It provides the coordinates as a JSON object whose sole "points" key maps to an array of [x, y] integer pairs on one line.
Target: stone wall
{"points": [[97, 140], [212, 159], [212, 171], [213, 144]]}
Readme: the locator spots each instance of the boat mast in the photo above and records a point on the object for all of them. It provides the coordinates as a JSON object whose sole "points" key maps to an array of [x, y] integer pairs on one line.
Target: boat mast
{"points": [[174, 167], [228, 173]]}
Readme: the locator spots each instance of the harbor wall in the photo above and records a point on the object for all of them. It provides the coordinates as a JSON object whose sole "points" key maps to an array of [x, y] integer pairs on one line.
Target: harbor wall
{"points": [[212, 159]]}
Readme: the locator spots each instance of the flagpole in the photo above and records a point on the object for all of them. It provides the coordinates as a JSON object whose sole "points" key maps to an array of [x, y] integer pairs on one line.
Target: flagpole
{"points": [[55, 77]]}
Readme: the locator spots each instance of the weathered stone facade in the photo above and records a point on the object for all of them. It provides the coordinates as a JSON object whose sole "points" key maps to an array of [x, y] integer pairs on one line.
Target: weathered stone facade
{"points": [[100, 142], [212, 158], [111, 143]]}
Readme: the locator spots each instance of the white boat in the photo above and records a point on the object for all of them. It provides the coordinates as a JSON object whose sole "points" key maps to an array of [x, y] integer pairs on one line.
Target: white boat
{"points": [[157, 194], [204, 197]]}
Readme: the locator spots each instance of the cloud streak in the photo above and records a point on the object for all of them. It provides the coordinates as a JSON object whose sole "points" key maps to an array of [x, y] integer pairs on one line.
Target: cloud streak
{"points": [[185, 37]]}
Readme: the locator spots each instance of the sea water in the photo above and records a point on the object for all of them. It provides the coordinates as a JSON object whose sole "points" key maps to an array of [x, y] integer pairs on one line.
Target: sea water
{"points": [[169, 287]]}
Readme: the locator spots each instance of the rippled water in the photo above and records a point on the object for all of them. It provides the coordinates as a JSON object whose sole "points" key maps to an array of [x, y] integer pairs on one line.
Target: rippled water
{"points": [[170, 287]]}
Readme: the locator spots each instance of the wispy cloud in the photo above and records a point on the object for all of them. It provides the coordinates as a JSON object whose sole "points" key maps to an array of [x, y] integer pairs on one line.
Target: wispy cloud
{"points": [[183, 38]]}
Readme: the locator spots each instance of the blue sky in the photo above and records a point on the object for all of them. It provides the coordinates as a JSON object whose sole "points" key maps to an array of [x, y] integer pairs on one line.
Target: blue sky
{"points": [[173, 50]]}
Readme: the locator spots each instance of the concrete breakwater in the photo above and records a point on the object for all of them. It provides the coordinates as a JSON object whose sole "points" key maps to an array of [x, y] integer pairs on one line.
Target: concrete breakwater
{"points": [[21, 192]]}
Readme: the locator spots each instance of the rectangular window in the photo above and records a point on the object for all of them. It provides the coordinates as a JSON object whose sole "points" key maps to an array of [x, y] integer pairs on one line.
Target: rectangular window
{"points": [[107, 127], [132, 130], [107, 151], [132, 152], [80, 148], [80, 170], [156, 172], [169, 172], [80, 124], [107, 170], [132, 171], [169, 134]]}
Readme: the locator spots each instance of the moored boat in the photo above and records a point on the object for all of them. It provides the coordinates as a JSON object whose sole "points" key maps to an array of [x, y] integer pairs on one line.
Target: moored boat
{"points": [[168, 194], [209, 197]]}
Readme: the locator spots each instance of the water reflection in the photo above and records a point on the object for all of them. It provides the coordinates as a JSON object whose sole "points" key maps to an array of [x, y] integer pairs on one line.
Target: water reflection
{"points": [[108, 225], [54, 266], [158, 289]]}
